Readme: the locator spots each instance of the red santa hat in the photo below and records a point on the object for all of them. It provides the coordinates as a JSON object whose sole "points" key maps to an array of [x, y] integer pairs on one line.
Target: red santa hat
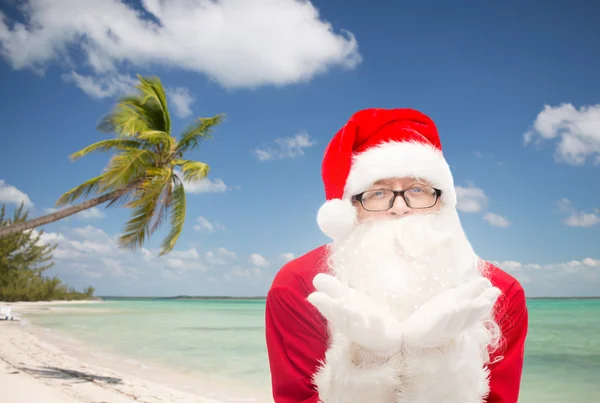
{"points": [[376, 144]]}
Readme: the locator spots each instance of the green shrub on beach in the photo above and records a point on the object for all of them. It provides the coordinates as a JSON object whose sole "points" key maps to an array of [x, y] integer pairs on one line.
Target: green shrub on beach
{"points": [[23, 260]]}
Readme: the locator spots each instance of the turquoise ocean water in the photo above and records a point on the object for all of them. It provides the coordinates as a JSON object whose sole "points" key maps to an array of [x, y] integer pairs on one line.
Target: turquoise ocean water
{"points": [[224, 340]]}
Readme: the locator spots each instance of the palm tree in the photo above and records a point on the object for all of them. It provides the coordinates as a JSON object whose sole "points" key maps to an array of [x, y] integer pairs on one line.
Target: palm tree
{"points": [[147, 172]]}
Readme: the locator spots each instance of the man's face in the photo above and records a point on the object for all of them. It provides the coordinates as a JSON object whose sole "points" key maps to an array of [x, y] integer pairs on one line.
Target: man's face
{"points": [[419, 193], [403, 262]]}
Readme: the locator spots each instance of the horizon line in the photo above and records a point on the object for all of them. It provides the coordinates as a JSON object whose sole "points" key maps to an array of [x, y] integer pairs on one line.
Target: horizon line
{"points": [[264, 297]]}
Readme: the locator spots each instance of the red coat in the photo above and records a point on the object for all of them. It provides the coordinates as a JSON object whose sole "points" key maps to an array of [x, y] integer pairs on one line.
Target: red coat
{"points": [[296, 333]]}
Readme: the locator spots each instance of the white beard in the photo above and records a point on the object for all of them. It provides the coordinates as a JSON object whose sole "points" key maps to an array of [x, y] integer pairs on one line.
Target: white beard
{"points": [[403, 263]]}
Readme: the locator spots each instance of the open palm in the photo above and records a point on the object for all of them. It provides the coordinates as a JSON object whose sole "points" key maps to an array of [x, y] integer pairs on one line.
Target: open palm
{"points": [[448, 314]]}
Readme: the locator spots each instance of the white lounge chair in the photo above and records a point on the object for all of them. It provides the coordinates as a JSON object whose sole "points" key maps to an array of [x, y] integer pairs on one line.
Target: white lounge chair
{"points": [[7, 314]]}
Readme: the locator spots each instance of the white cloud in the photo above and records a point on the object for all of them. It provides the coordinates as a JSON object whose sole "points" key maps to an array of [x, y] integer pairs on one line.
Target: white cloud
{"points": [[258, 260], [180, 266], [214, 259], [205, 224], [578, 218], [237, 43], [226, 253], [591, 262], [116, 84], [496, 220], [245, 273], [115, 268], [570, 278], [91, 252], [471, 199], [576, 131], [67, 254], [91, 246], [205, 186], [510, 265], [102, 86], [182, 100], [46, 238], [84, 271], [285, 147], [187, 271], [11, 195], [91, 214], [287, 256], [87, 246], [221, 257], [191, 253], [202, 224], [581, 219], [49, 237], [92, 233]]}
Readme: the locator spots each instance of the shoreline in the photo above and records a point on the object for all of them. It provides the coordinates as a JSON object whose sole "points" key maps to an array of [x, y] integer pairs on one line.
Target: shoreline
{"points": [[36, 366]]}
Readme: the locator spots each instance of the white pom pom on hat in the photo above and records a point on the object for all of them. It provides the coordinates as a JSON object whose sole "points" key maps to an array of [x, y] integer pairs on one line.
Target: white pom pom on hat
{"points": [[336, 218], [377, 144]]}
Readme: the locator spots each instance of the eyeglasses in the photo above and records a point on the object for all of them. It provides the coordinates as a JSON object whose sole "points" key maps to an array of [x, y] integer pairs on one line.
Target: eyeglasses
{"points": [[415, 197]]}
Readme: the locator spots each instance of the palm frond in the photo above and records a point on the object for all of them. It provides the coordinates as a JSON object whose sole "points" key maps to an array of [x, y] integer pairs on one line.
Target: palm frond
{"points": [[147, 196], [192, 170], [83, 190], [152, 88], [127, 166], [158, 138], [136, 229], [135, 114], [164, 203], [106, 145], [178, 209], [125, 198], [129, 117], [154, 183], [198, 131]]}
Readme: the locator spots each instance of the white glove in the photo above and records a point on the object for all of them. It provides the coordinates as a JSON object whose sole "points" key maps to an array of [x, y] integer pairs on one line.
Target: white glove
{"points": [[355, 315], [448, 314]]}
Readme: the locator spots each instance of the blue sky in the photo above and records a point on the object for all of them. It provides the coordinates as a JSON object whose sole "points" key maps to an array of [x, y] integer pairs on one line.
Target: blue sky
{"points": [[512, 87]]}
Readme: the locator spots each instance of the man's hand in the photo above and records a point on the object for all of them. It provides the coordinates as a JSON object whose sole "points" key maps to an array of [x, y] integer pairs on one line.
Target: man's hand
{"points": [[355, 315], [448, 314]]}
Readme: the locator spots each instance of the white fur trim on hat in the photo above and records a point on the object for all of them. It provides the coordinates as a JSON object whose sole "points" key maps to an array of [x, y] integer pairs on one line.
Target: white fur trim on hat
{"points": [[401, 159], [336, 218]]}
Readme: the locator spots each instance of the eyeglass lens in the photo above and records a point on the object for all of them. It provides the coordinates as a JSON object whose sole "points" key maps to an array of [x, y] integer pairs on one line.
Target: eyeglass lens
{"points": [[417, 197]]}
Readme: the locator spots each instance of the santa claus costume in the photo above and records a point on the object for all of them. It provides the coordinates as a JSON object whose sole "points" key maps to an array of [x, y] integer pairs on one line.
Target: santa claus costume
{"points": [[393, 311]]}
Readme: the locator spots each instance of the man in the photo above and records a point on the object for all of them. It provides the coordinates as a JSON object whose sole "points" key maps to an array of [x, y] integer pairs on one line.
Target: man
{"points": [[398, 308]]}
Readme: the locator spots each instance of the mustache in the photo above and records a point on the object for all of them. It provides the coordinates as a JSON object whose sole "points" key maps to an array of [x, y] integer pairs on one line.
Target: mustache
{"points": [[412, 235]]}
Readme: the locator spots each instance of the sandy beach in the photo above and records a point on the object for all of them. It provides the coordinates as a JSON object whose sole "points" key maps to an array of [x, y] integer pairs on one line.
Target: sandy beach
{"points": [[34, 370]]}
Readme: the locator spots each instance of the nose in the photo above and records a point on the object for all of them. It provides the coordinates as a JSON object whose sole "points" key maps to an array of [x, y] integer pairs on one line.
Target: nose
{"points": [[399, 208]]}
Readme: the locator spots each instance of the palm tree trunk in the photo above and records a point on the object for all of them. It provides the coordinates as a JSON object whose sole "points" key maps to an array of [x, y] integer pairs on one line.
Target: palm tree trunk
{"points": [[59, 215]]}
